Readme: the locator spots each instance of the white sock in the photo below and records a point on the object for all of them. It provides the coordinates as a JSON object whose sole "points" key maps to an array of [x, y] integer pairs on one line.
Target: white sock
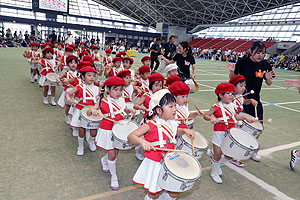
{"points": [[52, 98], [165, 196], [80, 142], [45, 98], [105, 159], [112, 168], [214, 166]]}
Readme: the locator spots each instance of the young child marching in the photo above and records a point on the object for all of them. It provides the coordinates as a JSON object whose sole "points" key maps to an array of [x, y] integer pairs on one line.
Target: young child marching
{"points": [[34, 55], [113, 107], [107, 59], [224, 118], [49, 65], [239, 83], [70, 75], [143, 82], [160, 132], [181, 91], [87, 94], [127, 63]]}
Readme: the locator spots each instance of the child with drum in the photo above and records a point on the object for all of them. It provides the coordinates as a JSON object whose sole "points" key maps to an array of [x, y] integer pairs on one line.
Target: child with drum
{"points": [[181, 91], [239, 83], [127, 63], [160, 132], [113, 71], [143, 82], [49, 65], [223, 120], [87, 94], [72, 62], [112, 107]]}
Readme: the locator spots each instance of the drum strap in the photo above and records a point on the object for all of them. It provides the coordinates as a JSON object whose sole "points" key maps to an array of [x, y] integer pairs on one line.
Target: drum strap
{"points": [[224, 115], [160, 134], [84, 94]]}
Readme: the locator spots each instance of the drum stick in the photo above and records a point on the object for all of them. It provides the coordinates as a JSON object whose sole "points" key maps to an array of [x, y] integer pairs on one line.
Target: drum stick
{"points": [[199, 110], [269, 120], [223, 122], [174, 150], [180, 119], [130, 118], [114, 121], [193, 147], [251, 92], [79, 104], [255, 110], [134, 98]]}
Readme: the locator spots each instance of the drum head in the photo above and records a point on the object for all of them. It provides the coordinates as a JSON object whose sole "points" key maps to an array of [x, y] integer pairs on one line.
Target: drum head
{"points": [[189, 122], [191, 83], [244, 138], [123, 129], [199, 140], [256, 125], [91, 117], [52, 77], [182, 165]]}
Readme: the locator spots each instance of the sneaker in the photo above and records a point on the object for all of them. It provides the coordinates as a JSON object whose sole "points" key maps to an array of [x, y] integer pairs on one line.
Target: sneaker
{"points": [[138, 154], [104, 167], [32, 79], [46, 100], [68, 121], [237, 163], [255, 157], [80, 151], [114, 184], [52, 102], [92, 145], [294, 159], [216, 178], [219, 171]]}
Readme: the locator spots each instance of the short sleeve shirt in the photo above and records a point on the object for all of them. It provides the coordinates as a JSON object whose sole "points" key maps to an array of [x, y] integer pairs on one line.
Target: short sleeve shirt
{"points": [[184, 64]]}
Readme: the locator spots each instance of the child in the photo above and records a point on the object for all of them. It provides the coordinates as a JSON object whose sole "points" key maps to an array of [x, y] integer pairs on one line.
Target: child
{"points": [[72, 62], [68, 52], [171, 79], [222, 111], [34, 55], [49, 65], [239, 82], [113, 106], [109, 72], [171, 69], [163, 105], [97, 57], [82, 54], [181, 91], [107, 60], [87, 92], [127, 63], [144, 73], [59, 51], [81, 47], [146, 60]]}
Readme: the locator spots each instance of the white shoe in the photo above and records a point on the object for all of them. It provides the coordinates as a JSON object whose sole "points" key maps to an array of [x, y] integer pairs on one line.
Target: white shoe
{"points": [[92, 145], [147, 198], [138, 153], [114, 184], [80, 151], [256, 157], [219, 171], [216, 178], [52, 102], [237, 163], [68, 121], [294, 159], [46, 100], [32, 79]]}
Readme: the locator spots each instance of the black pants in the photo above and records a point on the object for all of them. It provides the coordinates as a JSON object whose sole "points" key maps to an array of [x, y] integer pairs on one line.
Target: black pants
{"points": [[251, 111], [156, 63]]}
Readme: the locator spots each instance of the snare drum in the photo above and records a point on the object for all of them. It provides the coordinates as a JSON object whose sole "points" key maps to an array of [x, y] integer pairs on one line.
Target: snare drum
{"points": [[191, 84], [52, 77], [179, 172], [239, 144], [190, 124], [255, 128], [200, 144], [120, 132], [89, 122]]}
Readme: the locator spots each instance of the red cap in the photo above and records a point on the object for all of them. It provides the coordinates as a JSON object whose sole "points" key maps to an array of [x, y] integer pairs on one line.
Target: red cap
{"points": [[124, 73], [123, 53], [69, 58], [30, 44], [49, 43], [118, 55], [47, 50], [87, 69], [236, 79], [179, 88], [143, 69], [224, 87], [116, 59], [156, 77], [95, 47], [128, 58], [108, 50], [114, 81], [88, 59], [81, 43], [55, 42], [69, 49], [35, 44], [145, 58], [72, 45], [61, 44], [171, 79], [83, 64], [43, 46], [83, 53]]}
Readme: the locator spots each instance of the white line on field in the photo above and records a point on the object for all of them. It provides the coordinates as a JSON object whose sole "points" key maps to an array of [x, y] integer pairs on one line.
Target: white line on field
{"points": [[266, 152], [206, 86], [262, 89], [273, 190], [283, 103], [291, 109], [213, 73]]}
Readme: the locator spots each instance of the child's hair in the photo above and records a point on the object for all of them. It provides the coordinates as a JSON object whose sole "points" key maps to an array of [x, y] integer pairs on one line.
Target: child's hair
{"points": [[103, 91], [165, 100], [240, 81], [219, 99], [152, 83], [72, 60], [44, 55]]}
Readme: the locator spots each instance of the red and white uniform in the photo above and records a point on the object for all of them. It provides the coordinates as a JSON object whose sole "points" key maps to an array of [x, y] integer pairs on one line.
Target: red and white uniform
{"points": [[107, 60], [182, 112], [34, 54], [97, 60], [162, 135], [87, 95], [148, 97], [144, 84], [238, 103], [113, 109], [68, 75], [127, 93], [58, 53], [114, 71], [47, 66], [64, 65]]}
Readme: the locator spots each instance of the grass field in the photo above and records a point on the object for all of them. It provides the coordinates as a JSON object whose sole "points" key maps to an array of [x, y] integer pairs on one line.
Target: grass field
{"points": [[38, 152]]}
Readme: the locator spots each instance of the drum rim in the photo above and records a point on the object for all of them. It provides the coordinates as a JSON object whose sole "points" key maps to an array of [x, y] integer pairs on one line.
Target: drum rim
{"points": [[87, 118], [253, 128], [122, 141], [239, 144], [48, 74], [180, 178], [189, 145]]}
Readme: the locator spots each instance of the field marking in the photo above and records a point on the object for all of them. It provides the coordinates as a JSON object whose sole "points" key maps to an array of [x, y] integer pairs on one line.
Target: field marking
{"points": [[266, 152], [206, 86], [212, 73], [273, 190], [291, 109], [283, 103]]}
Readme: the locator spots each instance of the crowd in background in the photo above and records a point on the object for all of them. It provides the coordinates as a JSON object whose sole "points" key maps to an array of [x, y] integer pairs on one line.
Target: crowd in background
{"points": [[286, 62]]}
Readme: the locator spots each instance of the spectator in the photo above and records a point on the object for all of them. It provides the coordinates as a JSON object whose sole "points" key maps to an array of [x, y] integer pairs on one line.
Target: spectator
{"points": [[26, 35], [169, 50], [53, 37], [20, 36], [155, 52], [69, 38]]}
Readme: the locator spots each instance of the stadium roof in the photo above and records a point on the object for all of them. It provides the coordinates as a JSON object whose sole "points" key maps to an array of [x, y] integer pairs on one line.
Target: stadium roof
{"points": [[190, 13]]}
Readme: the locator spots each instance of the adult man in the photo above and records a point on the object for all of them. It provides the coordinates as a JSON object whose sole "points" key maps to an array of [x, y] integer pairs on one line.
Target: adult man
{"points": [[69, 38], [169, 51], [155, 52], [53, 37]]}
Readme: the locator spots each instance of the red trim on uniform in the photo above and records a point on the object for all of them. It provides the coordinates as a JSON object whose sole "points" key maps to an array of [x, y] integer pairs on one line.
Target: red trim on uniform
{"points": [[147, 188]]}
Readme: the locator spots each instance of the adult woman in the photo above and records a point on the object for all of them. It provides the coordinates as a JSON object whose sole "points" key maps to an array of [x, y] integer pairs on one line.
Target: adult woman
{"points": [[184, 59], [254, 68]]}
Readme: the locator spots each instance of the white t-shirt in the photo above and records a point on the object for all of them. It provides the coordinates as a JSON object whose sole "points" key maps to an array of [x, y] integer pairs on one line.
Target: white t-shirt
{"points": [[70, 40]]}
